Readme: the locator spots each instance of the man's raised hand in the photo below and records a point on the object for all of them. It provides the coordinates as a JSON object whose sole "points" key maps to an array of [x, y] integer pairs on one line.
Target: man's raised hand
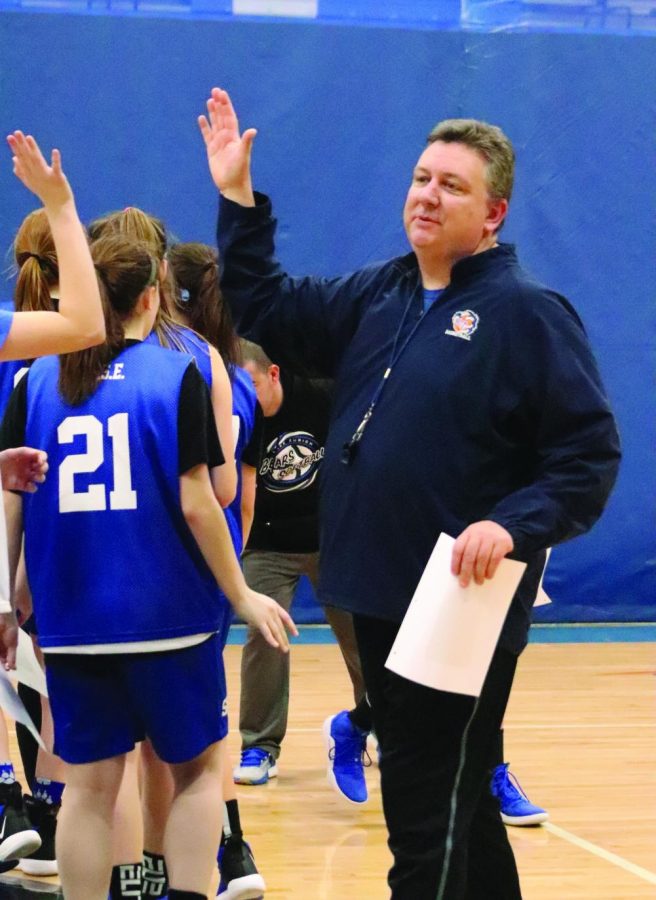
{"points": [[228, 152]]}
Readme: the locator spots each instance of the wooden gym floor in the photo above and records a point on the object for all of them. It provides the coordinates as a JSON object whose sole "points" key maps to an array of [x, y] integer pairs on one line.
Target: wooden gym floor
{"points": [[580, 736]]}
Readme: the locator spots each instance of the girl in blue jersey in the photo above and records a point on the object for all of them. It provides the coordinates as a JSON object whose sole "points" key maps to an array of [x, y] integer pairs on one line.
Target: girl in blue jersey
{"points": [[36, 288], [135, 223], [168, 332], [78, 323], [37, 275], [199, 304], [195, 271], [124, 550]]}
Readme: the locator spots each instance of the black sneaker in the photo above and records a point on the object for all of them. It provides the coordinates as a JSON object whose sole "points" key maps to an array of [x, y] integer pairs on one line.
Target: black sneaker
{"points": [[240, 879], [43, 817], [17, 835]]}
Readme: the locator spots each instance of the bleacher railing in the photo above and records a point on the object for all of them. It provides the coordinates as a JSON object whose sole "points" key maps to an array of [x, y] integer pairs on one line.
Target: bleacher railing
{"points": [[637, 16]]}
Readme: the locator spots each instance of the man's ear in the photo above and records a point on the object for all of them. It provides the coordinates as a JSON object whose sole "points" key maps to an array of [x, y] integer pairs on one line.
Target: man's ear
{"points": [[497, 210], [274, 373]]}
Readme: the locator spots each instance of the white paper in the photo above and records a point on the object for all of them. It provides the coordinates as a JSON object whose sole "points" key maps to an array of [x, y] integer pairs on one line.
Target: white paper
{"points": [[542, 598], [28, 669], [449, 633], [5, 604], [12, 704]]}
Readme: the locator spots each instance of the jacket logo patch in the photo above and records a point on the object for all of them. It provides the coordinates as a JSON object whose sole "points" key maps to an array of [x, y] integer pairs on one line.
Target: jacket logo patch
{"points": [[465, 322]]}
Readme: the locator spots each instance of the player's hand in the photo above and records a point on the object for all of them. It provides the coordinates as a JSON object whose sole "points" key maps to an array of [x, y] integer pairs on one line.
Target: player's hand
{"points": [[23, 468], [228, 152], [268, 617], [478, 551], [48, 182], [8, 640]]}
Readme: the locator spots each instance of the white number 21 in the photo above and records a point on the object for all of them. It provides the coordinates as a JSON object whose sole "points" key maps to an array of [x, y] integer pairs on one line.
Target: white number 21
{"points": [[94, 498]]}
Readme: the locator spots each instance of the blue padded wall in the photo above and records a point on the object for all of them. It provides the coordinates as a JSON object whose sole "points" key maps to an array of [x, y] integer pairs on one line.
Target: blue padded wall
{"points": [[342, 114]]}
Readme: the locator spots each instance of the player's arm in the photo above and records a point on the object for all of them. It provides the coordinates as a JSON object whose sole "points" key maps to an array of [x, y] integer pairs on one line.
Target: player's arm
{"points": [[224, 477], [13, 506], [79, 321], [198, 451], [207, 523]]}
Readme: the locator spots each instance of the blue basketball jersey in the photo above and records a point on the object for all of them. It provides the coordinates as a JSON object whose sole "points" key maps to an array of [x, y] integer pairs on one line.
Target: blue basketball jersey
{"points": [[109, 555], [244, 400], [6, 318], [193, 344], [10, 374]]}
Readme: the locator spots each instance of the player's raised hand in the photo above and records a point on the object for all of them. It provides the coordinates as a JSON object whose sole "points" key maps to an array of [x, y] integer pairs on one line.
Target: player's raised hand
{"points": [[269, 617], [48, 182], [228, 151]]}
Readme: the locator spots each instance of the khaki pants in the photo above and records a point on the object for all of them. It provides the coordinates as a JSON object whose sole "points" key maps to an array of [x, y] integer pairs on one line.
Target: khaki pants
{"points": [[264, 670]]}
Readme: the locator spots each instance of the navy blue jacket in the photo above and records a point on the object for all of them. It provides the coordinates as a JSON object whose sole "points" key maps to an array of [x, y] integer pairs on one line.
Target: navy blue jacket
{"points": [[494, 410]]}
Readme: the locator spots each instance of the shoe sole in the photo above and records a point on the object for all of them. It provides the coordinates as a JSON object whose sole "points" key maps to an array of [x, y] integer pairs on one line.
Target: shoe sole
{"points": [[535, 819], [41, 867], [19, 845], [329, 744], [250, 887], [270, 773]]}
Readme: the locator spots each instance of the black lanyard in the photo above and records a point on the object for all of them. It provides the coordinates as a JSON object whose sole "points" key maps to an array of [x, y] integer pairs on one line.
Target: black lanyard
{"points": [[349, 449]]}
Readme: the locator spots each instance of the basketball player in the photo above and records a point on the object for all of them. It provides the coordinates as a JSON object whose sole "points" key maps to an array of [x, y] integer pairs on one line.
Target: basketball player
{"points": [[125, 579]]}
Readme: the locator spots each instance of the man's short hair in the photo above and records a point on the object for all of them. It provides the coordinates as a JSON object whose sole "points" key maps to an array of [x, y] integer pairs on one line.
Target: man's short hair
{"points": [[253, 353], [490, 142]]}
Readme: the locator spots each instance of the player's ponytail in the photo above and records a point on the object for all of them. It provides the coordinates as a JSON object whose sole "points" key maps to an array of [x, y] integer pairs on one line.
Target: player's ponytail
{"points": [[36, 264], [125, 269], [198, 298]]}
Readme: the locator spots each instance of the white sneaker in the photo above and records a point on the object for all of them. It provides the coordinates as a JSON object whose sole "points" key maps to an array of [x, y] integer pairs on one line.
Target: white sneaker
{"points": [[256, 767]]}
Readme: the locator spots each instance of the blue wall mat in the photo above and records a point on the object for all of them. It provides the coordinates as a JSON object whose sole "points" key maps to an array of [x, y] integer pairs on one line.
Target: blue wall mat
{"points": [[342, 114]]}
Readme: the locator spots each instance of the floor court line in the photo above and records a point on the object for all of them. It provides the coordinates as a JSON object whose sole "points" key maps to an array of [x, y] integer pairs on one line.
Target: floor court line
{"points": [[606, 855]]}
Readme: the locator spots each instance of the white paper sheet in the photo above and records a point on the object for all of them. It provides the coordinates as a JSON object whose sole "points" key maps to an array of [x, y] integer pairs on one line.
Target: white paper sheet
{"points": [[449, 633], [542, 598], [5, 604], [12, 704], [28, 670]]}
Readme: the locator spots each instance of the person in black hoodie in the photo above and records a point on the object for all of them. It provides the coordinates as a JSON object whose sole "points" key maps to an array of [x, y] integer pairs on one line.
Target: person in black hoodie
{"points": [[282, 547]]}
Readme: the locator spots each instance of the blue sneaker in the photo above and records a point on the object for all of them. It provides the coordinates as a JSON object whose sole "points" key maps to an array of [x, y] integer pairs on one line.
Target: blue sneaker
{"points": [[516, 808], [255, 767], [240, 879], [347, 749]]}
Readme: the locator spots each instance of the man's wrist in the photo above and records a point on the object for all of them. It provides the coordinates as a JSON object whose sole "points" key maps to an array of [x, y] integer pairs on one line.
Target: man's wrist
{"points": [[241, 194]]}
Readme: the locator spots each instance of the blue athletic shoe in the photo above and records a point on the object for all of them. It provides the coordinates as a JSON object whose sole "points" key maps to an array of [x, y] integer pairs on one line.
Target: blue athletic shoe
{"points": [[516, 808], [347, 749], [240, 879], [255, 767]]}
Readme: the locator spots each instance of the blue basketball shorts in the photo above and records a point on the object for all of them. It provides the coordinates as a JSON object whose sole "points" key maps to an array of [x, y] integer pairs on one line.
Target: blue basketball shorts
{"points": [[103, 705]]}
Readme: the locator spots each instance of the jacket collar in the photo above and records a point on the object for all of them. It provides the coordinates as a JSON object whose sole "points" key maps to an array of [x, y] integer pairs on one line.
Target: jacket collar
{"points": [[488, 261]]}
